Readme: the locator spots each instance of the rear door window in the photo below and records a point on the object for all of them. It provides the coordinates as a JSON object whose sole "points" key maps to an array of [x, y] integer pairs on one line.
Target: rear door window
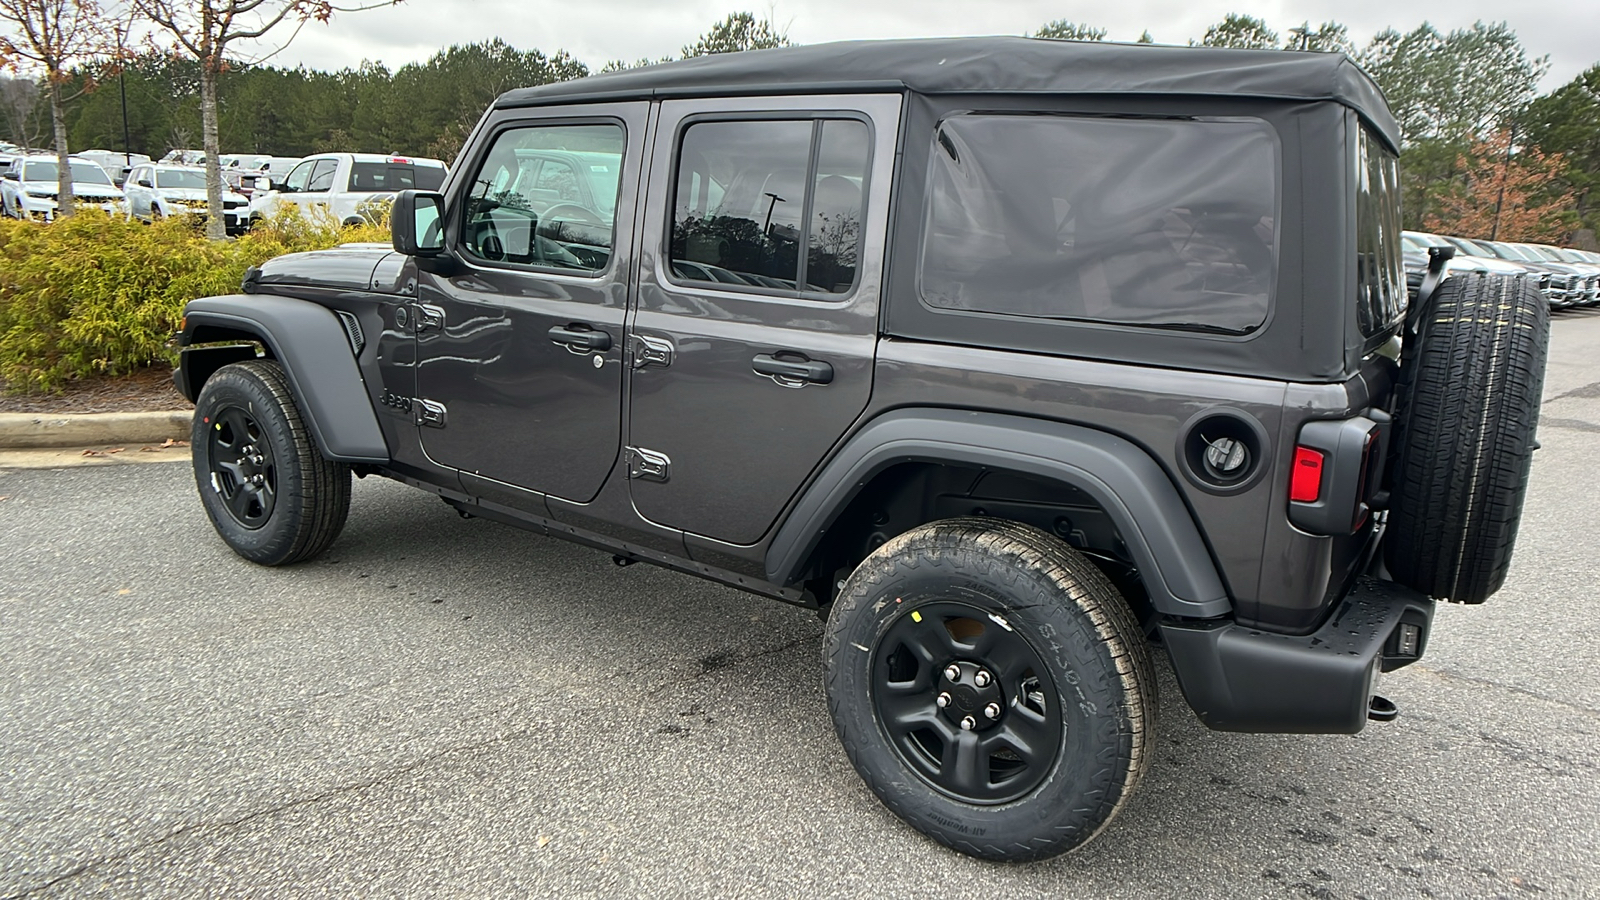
{"points": [[770, 205], [1168, 223]]}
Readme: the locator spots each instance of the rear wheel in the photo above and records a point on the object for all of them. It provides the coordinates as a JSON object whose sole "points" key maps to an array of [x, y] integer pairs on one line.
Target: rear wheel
{"points": [[1467, 417], [268, 492], [991, 687]]}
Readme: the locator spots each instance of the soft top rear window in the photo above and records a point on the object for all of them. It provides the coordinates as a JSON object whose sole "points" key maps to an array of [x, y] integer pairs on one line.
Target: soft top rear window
{"points": [[1167, 223]]}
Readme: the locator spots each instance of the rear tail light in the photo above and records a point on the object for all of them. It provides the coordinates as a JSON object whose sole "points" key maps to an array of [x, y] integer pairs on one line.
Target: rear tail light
{"points": [[1305, 479], [1334, 475]]}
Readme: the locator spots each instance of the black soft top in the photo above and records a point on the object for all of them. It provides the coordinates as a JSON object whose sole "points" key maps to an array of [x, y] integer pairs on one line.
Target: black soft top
{"points": [[991, 65]]}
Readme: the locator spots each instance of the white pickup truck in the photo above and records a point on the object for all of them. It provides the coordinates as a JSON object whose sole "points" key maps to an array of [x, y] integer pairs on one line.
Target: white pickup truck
{"points": [[337, 184]]}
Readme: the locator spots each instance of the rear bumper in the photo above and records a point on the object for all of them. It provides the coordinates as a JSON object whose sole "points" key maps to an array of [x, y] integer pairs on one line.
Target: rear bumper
{"points": [[1244, 679]]}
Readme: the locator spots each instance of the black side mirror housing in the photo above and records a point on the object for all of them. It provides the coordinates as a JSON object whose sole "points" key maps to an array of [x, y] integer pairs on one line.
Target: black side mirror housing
{"points": [[416, 222]]}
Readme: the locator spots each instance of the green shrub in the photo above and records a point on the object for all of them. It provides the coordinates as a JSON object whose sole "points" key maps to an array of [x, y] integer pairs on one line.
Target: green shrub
{"points": [[95, 294]]}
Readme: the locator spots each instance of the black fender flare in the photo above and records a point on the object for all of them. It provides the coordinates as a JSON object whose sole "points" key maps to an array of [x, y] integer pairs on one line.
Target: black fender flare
{"points": [[1138, 495], [316, 355]]}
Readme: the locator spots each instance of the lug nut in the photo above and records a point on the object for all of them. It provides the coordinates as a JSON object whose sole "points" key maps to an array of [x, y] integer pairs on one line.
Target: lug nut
{"points": [[992, 710], [942, 700], [953, 672], [968, 723], [981, 679]]}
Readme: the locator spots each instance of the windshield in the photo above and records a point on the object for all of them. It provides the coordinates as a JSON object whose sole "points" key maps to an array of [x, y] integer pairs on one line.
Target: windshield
{"points": [[1512, 251], [1571, 256], [179, 179], [82, 173], [1538, 253]]}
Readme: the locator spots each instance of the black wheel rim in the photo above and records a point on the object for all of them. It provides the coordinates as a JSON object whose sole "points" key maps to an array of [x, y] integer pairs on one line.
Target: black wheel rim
{"points": [[243, 471], [991, 733]]}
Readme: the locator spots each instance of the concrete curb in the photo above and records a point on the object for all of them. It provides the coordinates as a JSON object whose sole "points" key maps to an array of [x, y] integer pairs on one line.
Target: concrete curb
{"points": [[31, 431]]}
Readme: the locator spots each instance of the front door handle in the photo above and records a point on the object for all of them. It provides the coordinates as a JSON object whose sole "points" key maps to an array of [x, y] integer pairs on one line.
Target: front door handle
{"points": [[580, 338], [792, 369]]}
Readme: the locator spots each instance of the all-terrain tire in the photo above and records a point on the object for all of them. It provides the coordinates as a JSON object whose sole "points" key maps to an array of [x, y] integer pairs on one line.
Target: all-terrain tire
{"points": [[1466, 418], [306, 497], [1096, 686]]}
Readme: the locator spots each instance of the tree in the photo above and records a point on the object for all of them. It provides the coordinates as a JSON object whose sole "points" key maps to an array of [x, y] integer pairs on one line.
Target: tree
{"points": [[739, 31], [1507, 193], [1329, 37], [1460, 86], [1063, 30], [1241, 31], [52, 37], [19, 111], [1567, 121], [204, 30]]}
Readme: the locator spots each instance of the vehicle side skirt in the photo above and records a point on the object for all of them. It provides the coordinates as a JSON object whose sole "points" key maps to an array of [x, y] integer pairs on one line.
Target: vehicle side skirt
{"points": [[623, 550]]}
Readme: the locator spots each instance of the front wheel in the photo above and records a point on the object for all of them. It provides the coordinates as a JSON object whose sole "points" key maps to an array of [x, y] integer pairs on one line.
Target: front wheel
{"points": [[991, 687], [269, 493]]}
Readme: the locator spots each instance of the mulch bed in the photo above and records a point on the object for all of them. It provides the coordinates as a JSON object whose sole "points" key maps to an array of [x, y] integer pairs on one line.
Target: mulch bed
{"points": [[149, 390]]}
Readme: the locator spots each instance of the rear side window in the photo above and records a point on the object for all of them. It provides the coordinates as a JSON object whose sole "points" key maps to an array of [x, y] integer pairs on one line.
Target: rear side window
{"points": [[1380, 270], [1168, 223], [388, 176], [771, 205]]}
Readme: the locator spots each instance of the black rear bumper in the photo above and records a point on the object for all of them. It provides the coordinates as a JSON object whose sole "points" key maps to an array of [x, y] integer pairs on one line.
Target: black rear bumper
{"points": [[1245, 679]]}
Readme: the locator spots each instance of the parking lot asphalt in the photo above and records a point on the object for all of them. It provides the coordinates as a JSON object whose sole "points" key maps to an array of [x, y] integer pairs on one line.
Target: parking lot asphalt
{"points": [[442, 707]]}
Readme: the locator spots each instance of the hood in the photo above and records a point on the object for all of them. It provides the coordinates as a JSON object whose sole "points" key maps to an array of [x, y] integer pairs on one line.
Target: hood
{"points": [[187, 194], [349, 267], [80, 190]]}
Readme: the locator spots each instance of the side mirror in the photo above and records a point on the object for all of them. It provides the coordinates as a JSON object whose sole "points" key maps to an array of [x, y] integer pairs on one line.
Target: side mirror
{"points": [[144, 182], [12, 176], [416, 221]]}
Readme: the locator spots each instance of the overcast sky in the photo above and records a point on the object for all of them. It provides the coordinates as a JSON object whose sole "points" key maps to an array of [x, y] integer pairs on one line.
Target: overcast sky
{"points": [[599, 30]]}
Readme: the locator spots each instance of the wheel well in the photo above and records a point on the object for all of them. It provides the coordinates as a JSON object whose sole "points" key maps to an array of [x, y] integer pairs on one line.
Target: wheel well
{"points": [[910, 494]]}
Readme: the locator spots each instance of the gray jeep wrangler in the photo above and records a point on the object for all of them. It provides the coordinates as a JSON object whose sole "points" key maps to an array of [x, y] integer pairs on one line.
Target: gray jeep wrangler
{"points": [[1019, 360]]}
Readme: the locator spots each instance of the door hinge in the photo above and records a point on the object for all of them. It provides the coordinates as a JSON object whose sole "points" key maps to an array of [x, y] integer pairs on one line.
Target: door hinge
{"points": [[430, 413], [429, 316], [648, 465], [650, 351]]}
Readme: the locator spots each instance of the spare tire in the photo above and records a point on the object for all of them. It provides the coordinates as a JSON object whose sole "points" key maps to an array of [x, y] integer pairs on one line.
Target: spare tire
{"points": [[1466, 415]]}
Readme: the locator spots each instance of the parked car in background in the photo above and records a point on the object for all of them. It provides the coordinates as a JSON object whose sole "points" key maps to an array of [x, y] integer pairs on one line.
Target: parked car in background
{"points": [[116, 163], [1414, 246], [337, 184], [157, 191], [1584, 283], [263, 171], [185, 157], [1565, 287], [28, 190]]}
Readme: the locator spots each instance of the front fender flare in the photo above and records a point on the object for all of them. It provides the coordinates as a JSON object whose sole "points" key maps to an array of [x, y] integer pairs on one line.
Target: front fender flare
{"points": [[1136, 493], [316, 355]]}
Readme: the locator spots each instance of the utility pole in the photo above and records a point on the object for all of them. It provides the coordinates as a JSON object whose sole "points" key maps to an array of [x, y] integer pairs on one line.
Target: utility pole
{"points": [[127, 150]]}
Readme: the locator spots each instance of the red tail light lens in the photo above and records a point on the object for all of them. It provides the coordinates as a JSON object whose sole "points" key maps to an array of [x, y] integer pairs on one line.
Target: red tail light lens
{"points": [[1305, 478]]}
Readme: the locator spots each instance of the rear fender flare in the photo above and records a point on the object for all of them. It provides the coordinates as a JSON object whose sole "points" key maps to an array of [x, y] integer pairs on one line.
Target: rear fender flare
{"points": [[1138, 495], [311, 344]]}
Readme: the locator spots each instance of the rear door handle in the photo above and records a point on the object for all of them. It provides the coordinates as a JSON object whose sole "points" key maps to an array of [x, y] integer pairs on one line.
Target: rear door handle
{"points": [[792, 369], [580, 338]]}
